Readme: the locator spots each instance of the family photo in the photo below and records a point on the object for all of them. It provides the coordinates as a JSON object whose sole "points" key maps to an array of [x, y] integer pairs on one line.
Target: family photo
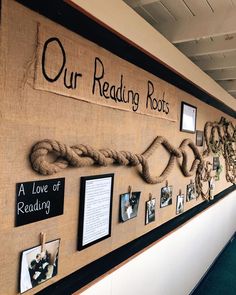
{"points": [[150, 211], [38, 266], [166, 196], [190, 192], [129, 203], [180, 204]]}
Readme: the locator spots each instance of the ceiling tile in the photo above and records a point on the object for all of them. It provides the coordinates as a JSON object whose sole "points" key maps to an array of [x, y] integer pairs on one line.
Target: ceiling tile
{"points": [[159, 12]]}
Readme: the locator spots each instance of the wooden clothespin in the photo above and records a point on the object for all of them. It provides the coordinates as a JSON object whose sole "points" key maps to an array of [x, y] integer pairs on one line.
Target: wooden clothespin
{"points": [[167, 183], [191, 181], [150, 197], [180, 191], [130, 191], [42, 241]]}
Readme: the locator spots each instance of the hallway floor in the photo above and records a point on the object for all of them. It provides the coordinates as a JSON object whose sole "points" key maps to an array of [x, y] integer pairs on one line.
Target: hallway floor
{"points": [[221, 279]]}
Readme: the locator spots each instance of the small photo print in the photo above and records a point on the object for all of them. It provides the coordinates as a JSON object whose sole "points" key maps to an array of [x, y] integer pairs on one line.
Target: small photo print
{"points": [[166, 196], [129, 203], [180, 204], [150, 211], [38, 266], [216, 163], [199, 138], [211, 183], [190, 192]]}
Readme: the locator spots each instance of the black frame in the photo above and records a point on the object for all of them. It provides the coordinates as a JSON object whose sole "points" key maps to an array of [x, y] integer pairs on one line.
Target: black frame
{"points": [[81, 209], [181, 117]]}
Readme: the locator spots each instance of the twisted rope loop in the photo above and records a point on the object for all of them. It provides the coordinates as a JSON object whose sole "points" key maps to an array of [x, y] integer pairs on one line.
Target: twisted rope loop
{"points": [[203, 175], [84, 155], [220, 139]]}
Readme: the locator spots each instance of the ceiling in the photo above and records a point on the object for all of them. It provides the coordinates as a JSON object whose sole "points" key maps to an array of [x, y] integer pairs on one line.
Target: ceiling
{"points": [[204, 30]]}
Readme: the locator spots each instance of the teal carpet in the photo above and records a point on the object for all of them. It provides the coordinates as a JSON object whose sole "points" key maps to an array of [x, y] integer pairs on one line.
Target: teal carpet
{"points": [[221, 279]]}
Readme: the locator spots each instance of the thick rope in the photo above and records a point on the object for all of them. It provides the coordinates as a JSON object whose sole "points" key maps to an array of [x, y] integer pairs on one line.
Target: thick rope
{"points": [[220, 137], [84, 155], [203, 175]]}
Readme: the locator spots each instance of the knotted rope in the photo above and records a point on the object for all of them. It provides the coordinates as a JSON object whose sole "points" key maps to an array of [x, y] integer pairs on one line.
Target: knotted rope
{"points": [[220, 138], [84, 155], [203, 174]]}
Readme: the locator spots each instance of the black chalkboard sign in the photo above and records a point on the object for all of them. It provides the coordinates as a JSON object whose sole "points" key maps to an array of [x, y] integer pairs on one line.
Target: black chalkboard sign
{"points": [[38, 200]]}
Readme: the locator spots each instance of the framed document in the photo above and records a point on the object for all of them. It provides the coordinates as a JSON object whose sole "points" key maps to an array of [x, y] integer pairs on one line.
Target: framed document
{"points": [[95, 209], [188, 118]]}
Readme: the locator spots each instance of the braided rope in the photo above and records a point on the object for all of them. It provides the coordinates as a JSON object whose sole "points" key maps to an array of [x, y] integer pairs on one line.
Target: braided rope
{"points": [[84, 155], [224, 144], [203, 175]]}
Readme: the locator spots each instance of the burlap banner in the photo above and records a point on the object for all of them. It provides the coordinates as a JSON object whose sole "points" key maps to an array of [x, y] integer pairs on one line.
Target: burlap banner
{"points": [[70, 65]]}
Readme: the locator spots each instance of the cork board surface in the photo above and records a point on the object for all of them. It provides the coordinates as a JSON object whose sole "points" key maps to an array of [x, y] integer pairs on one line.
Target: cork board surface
{"points": [[28, 115]]}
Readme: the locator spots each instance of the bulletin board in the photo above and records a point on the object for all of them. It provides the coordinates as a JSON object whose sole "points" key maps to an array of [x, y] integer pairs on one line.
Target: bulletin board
{"points": [[57, 99]]}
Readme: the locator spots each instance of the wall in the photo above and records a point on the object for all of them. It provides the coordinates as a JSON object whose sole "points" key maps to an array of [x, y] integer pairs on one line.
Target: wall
{"points": [[28, 115], [175, 264]]}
